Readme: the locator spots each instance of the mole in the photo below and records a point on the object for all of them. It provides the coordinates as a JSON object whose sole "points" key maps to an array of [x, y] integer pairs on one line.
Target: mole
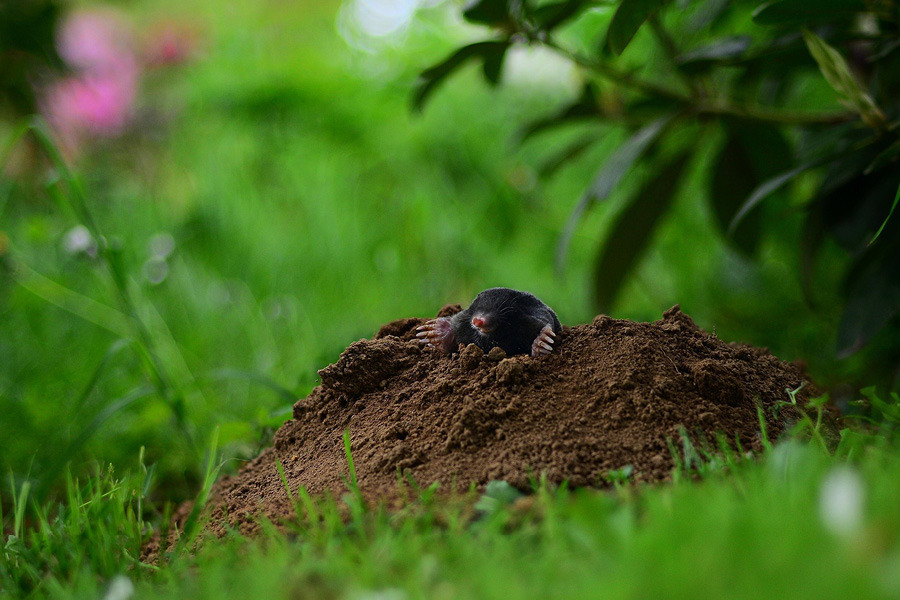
{"points": [[518, 322]]}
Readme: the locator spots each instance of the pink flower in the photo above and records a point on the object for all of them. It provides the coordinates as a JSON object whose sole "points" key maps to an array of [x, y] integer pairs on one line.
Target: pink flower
{"points": [[95, 39], [97, 100], [99, 103], [169, 43]]}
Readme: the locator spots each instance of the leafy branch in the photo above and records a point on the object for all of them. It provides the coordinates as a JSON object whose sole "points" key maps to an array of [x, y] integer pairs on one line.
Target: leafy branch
{"points": [[738, 85]]}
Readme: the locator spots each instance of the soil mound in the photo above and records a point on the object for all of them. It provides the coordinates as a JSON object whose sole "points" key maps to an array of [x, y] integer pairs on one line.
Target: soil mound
{"points": [[609, 395]]}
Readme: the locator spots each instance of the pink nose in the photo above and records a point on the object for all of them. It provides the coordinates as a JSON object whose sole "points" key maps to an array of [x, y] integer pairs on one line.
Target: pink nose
{"points": [[478, 322]]}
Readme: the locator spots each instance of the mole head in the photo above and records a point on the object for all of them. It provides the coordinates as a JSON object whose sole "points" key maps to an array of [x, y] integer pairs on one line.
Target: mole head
{"points": [[488, 308]]}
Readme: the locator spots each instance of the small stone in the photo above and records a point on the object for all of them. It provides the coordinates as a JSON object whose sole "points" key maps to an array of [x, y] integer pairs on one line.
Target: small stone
{"points": [[470, 357], [496, 354], [510, 371]]}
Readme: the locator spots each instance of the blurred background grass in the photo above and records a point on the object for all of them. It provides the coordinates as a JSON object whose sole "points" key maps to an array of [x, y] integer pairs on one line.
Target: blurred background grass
{"points": [[274, 199]]}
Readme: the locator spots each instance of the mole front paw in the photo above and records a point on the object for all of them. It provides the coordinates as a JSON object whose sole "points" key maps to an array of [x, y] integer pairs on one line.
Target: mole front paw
{"points": [[437, 333], [543, 343]]}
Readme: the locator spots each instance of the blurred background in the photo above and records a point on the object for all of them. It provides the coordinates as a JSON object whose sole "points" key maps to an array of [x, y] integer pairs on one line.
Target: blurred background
{"points": [[215, 199]]}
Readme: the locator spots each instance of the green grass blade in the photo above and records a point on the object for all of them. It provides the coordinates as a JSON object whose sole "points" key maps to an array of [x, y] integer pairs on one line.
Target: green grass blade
{"points": [[192, 523], [763, 433], [114, 349], [349, 455], [20, 501], [104, 415], [887, 218], [283, 392], [71, 301]]}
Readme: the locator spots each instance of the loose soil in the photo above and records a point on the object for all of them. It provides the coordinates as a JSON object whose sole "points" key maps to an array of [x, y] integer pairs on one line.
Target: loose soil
{"points": [[611, 394]]}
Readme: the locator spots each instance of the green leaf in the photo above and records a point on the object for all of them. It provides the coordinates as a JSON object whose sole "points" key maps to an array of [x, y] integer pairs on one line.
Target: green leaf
{"points": [[793, 12], [752, 153], [873, 299], [490, 52], [585, 107], [567, 154], [836, 71], [720, 50], [810, 242], [493, 63], [609, 176], [628, 18], [707, 14], [887, 218], [768, 187], [890, 154], [854, 205], [549, 16], [633, 230], [487, 12]]}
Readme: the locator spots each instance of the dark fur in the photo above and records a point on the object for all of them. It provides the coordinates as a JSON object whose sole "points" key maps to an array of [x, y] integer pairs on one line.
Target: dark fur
{"points": [[519, 318]]}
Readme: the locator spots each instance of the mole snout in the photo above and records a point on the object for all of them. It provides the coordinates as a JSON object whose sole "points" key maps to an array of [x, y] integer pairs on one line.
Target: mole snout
{"points": [[518, 322], [482, 323]]}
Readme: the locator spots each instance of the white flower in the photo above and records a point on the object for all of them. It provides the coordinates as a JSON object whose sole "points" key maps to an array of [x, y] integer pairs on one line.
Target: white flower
{"points": [[120, 588], [383, 594], [161, 246], [841, 501], [79, 240]]}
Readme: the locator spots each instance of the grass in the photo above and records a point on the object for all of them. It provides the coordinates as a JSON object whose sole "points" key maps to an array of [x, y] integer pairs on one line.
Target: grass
{"points": [[773, 526]]}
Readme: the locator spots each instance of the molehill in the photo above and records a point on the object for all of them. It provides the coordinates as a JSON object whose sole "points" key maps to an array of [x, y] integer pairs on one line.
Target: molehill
{"points": [[609, 395]]}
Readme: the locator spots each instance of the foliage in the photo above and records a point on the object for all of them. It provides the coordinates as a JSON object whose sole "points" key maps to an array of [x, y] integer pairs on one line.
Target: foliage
{"points": [[702, 73], [27, 50], [96, 531]]}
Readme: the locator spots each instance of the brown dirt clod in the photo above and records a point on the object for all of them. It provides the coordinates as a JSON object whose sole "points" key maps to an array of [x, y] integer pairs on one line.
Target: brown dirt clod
{"points": [[609, 395]]}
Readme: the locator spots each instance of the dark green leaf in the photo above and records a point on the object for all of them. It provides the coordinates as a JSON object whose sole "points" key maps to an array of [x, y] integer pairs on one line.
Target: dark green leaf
{"points": [[793, 12], [810, 242], [549, 16], [707, 14], [628, 18], [567, 154], [609, 176], [493, 64], [490, 52], [854, 205], [717, 51], [768, 187], [873, 299], [633, 230], [891, 154], [487, 12], [752, 153], [585, 107]]}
